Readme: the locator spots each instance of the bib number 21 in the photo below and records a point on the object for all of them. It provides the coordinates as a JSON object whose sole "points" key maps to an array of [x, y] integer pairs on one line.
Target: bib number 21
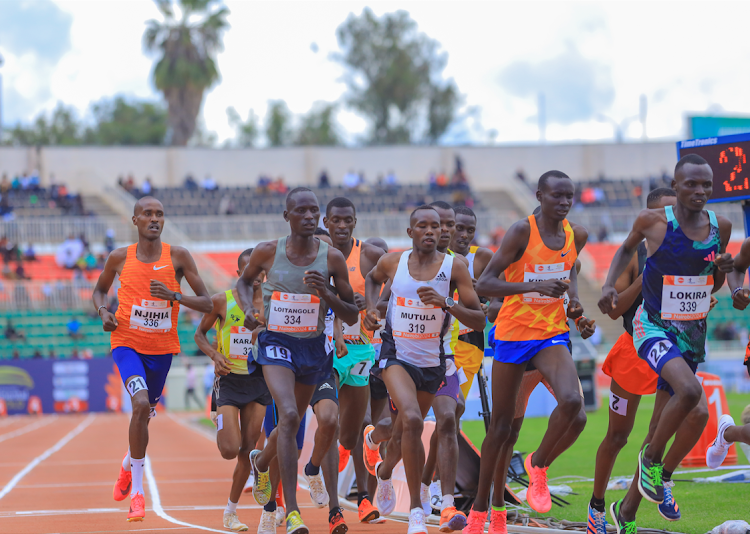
{"points": [[275, 352]]}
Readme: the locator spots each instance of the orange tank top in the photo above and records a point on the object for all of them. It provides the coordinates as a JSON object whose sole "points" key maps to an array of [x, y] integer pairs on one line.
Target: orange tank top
{"points": [[533, 316], [356, 333], [146, 325]]}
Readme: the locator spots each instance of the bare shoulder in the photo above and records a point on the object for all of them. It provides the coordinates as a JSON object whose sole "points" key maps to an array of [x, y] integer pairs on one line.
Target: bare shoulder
{"points": [[651, 216], [335, 255], [725, 225], [118, 255], [267, 246], [461, 259], [580, 235], [372, 252], [483, 253]]}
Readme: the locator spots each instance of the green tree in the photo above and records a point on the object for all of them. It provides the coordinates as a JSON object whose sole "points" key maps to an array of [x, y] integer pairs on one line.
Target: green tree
{"points": [[187, 66], [395, 78], [119, 122], [247, 132], [278, 123], [319, 127], [62, 127]]}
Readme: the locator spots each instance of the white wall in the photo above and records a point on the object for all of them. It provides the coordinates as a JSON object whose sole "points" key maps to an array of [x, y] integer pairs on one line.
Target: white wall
{"points": [[90, 168]]}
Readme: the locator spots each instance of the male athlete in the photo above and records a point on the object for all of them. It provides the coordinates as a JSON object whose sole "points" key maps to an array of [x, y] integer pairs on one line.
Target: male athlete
{"points": [[354, 360], [144, 329], [239, 388], [686, 263], [538, 256], [412, 359], [292, 348]]}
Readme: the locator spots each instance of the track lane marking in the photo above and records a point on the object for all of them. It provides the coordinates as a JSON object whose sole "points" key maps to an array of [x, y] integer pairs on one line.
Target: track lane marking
{"points": [[28, 428]]}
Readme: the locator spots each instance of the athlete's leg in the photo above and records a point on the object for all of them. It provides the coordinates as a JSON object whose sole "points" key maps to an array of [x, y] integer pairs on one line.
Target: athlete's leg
{"points": [[431, 460], [353, 402], [330, 468], [250, 422], [503, 464], [377, 413], [327, 414], [445, 409], [623, 407], [557, 367], [735, 434], [506, 379], [687, 436], [228, 435]]}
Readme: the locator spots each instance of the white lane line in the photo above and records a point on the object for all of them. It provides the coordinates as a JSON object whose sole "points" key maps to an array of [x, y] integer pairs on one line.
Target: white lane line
{"points": [[28, 428], [46, 454], [197, 508], [156, 500], [109, 483]]}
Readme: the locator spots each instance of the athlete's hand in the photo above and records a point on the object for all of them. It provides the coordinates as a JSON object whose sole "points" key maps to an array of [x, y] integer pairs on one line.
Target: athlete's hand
{"points": [[252, 318], [575, 310], [724, 262], [359, 300], [371, 320], [714, 302], [608, 301], [109, 321], [741, 299], [430, 297], [221, 364], [341, 350], [160, 291], [552, 288], [316, 281], [586, 327]]}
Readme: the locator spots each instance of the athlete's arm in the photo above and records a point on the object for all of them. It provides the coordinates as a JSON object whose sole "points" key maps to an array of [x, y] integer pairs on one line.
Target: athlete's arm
{"points": [[724, 262], [112, 266], [217, 313], [385, 297], [482, 258], [382, 272], [580, 236], [645, 219], [261, 259], [470, 311], [736, 278], [184, 264], [511, 249], [628, 287], [341, 301], [338, 337]]}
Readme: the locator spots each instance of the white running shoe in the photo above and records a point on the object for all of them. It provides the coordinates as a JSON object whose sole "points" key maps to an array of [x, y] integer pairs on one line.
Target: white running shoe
{"points": [[233, 523], [424, 498], [317, 487], [385, 499], [718, 450], [249, 484], [436, 496], [417, 522], [267, 523], [280, 516]]}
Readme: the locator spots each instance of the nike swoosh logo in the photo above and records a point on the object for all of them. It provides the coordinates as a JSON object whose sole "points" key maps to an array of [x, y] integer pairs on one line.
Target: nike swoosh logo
{"points": [[159, 268], [125, 491], [565, 253], [559, 341]]}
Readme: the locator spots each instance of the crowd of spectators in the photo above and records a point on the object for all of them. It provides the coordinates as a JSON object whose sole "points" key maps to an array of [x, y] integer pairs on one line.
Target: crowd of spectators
{"points": [[56, 195], [75, 253]]}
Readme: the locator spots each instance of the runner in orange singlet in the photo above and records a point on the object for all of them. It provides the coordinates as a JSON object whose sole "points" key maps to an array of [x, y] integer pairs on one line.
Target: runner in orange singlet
{"points": [[144, 329]]}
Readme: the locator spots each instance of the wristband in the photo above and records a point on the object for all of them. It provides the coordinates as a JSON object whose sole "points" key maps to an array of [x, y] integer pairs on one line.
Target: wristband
{"points": [[577, 320], [99, 309], [736, 290]]}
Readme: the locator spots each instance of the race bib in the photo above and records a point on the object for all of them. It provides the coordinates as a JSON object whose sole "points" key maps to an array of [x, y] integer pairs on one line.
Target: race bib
{"points": [[152, 316], [618, 405], [414, 320], [540, 273], [275, 352], [240, 342], [362, 368], [686, 298], [657, 352], [292, 312]]}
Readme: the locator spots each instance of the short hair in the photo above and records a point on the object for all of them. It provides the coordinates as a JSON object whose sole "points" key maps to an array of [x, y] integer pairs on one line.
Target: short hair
{"points": [[443, 205], [693, 159], [340, 202], [297, 190], [138, 203], [244, 253], [420, 208], [658, 193], [465, 210], [550, 174], [321, 231], [377, 242]]}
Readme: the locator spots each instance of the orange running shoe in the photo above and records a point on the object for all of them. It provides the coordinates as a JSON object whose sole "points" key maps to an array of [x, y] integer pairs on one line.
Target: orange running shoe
{"points": [[336, 523], [498, 522], [122, 486], [371, 458], [137, 508], [451, 519], [367, 512], [537, 495], [343, 457], [475, 522]]}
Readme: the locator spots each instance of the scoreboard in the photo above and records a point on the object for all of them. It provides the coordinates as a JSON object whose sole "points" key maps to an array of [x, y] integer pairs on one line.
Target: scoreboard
{"points": [[727, 156]]}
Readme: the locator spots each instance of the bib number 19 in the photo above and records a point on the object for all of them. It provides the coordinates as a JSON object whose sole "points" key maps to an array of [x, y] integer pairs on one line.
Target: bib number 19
{"points": [[275, 352]]}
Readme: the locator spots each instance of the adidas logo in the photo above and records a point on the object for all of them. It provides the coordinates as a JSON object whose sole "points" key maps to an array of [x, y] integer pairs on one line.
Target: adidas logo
{"points": [[711, 257], [441, 277], [325, 385]]}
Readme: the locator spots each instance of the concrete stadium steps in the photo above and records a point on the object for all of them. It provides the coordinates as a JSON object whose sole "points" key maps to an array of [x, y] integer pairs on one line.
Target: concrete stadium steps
{"points": [[98, 205]]}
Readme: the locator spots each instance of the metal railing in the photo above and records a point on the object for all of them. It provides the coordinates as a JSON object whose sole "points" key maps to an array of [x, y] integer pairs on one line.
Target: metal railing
{"points": [[46, 295], [58, 229]]}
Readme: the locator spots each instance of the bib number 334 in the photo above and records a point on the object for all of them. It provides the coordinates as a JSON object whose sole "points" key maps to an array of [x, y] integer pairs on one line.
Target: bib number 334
{"points": [[292, 312]]}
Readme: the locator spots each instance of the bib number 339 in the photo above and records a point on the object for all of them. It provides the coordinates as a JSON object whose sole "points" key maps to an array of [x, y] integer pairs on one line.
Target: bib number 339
{"points": [[292, 312], [686, 298]]}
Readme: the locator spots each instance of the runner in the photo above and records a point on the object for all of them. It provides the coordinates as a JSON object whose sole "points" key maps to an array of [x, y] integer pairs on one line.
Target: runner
{"points": [[412, 361], [292, 348], [356, 356], [239, 388], [686, 263], [538, 256], [144, 329]]}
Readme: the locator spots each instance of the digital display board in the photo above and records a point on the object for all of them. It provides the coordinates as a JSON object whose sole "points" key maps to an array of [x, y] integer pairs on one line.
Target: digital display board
{"points": [[727, 156], [712, 126]]}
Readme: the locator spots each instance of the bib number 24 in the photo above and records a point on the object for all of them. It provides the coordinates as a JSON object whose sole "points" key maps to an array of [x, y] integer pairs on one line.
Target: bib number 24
{"points": [[658, 351]]}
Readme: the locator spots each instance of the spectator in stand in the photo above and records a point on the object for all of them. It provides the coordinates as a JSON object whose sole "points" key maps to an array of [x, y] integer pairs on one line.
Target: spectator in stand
{"points": [[264, 182], [4, 184], [69, 252], [130, 183], [323, 181], [278, 186], [8, 273], [432, 181], [16, 184], [37, 354], [89, 260], [109, 240], [13, 334], [225, 205], [29, 254], [21, 272], [146, 188], [52, 355], [74, 328], [16, 354], [521, 175], [34, 184], [391, 182], [209, 184], [351, 180], [190, 183], [442, 181]]}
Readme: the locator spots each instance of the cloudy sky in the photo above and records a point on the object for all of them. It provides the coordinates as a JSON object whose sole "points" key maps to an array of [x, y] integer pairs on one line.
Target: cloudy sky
{"points": [[590, 60]]}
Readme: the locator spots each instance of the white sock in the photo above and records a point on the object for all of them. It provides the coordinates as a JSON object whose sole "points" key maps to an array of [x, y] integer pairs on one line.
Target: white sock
{"points": [[447, 502], [370, 444], [424, 487], [126, 461], [231, 507], [136, 466]]}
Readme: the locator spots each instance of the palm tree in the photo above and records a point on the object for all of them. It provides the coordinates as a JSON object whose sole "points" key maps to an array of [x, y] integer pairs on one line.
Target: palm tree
{"points": [[187, 66]]}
